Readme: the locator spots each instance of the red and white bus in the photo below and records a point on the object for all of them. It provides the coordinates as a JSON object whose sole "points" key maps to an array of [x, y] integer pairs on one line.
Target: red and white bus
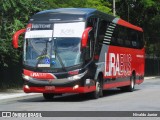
{"points": [[80, 50]]}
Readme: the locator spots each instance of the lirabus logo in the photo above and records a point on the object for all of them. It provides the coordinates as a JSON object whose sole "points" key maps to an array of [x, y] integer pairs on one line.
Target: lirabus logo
{"points": [[34, 74], [117, 64]]}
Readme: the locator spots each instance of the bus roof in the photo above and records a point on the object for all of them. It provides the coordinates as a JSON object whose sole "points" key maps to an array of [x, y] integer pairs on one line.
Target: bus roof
{"points": [[69, 11], [69, 14], [77, 14]]}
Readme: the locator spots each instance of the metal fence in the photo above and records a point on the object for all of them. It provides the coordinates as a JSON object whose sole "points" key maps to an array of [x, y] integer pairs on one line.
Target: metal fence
{"points": [[10, 77], [152, 66]]}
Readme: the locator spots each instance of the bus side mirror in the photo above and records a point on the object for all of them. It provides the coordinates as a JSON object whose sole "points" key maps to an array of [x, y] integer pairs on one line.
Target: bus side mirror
{"points": [[85, 37], [16, 37]]}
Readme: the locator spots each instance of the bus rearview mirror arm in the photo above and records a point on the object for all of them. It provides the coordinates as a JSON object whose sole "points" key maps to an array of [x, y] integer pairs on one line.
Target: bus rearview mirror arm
{"points": [[15, 37]]}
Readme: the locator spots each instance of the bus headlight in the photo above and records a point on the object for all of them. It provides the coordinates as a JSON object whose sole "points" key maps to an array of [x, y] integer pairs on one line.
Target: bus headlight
{"points": [[26, 86], [26, 77], [77, 77], [75, 87]]}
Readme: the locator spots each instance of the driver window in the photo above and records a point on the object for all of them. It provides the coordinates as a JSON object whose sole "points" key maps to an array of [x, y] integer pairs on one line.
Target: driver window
{"points": [[90, 46], [92, 22]]}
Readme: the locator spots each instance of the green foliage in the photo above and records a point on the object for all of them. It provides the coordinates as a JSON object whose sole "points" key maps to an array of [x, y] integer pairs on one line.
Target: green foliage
{"points": [[14, 16], [148, 3], [16, 13], [101, 5], [144, 13]]}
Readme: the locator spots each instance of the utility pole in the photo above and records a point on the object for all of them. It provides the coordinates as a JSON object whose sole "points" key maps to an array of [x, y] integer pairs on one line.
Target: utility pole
{"points": [[128, 12], [114, 8]]}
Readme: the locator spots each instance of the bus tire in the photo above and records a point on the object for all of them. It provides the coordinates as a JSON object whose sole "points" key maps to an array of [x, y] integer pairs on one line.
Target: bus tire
{"points": [[131, 87], [48, 96], [132, 84], [99, 89]]}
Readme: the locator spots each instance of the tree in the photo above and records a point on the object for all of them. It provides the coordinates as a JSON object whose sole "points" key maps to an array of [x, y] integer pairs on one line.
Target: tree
{"points": [[14, 16], [144, 13], [101, 5]]}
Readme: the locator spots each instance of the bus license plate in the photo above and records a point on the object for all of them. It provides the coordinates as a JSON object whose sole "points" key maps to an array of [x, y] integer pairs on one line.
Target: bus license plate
{"points": [[49, 87]]}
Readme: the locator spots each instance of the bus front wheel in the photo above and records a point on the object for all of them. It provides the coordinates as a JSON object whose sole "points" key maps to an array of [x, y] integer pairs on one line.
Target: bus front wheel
{"points": [[99, 89]]}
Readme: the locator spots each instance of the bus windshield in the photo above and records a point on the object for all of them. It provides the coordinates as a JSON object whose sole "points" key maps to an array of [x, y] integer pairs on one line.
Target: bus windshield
{"points": [[57, 52]]}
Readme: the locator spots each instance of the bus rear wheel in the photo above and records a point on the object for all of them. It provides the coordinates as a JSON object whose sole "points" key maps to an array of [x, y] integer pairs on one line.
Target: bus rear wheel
{"points": [[132, 84], [48, 96], [131, 87]]}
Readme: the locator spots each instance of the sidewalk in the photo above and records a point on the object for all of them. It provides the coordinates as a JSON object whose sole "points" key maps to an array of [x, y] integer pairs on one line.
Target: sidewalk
{"points": [[12, 93]]}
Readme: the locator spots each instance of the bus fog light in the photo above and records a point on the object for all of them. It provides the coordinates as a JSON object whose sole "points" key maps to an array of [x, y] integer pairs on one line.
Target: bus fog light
{"points": [[75, 87], [88, 81]]}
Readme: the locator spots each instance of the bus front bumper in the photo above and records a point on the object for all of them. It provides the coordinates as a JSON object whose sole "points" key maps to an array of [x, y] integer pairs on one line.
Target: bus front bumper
{"points": [[53, 89], [73, 84]]}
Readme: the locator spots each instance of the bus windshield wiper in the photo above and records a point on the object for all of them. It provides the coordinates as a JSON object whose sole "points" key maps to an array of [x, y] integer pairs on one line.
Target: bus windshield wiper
{"points": [[61, 62], [42, 55]]}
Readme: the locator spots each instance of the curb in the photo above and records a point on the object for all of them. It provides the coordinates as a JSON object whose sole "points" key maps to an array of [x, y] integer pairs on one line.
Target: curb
{"points": [[14, 95], [147, 78]]}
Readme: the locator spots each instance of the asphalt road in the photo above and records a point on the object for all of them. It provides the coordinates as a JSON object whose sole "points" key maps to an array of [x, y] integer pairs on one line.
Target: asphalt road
{"points": [[146, 97]]}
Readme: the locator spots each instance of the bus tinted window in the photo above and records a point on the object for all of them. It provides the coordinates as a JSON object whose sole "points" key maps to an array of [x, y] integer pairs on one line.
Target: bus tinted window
{"points": [[141, 40], [136, 39], [126, 37], [105, 32], [101, 32]]}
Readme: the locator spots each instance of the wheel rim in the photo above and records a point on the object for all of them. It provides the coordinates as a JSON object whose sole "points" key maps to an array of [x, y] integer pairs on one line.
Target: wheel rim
{"points": [[132, 82], [97, 87]]}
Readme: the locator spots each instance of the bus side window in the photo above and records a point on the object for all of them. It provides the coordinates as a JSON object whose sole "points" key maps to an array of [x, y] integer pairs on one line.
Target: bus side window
{"points": [[90, 46], [134, 39], [140, 40], [127, 42], [102, 27], [92, 22], [115, 36], [120, 38], [101, 31]]}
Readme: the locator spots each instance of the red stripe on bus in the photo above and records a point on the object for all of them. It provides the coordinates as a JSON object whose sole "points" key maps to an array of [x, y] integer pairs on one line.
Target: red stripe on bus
{"points": [[116, 84], [39, 75], [85, 89], [127, 24]]}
